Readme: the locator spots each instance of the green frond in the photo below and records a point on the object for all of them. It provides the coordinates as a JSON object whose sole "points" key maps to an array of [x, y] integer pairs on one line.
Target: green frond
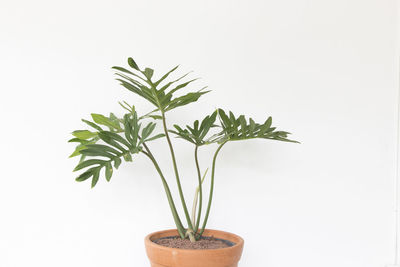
{"points": [[161, 96], [234, 129], [197, 133], [103, 149]]}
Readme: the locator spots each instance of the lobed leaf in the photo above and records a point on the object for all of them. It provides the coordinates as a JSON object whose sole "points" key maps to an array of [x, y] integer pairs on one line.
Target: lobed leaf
{"points": [[197, 133], [239, 129], [159, 97], [114, 146]]}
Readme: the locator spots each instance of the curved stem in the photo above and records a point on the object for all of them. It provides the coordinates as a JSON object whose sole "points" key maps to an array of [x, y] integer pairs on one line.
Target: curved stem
{"points": [[178, 223], [211, 188], [197, 223], [190, 226]]}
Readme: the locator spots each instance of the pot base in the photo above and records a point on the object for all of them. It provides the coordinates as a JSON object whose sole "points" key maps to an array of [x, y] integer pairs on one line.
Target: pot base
{"points": [[161, 256], [158, 265]]}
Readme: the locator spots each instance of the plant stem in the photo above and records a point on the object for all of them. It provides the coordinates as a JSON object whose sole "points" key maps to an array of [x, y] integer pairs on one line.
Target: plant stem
{"points": [[178, 223], [190, 226], [191, 235], [194, 207], [211, 187], [200, 193]]}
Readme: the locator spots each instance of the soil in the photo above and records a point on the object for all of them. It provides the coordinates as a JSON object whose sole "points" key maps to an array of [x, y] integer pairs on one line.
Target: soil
{"points": [[204, 243]]}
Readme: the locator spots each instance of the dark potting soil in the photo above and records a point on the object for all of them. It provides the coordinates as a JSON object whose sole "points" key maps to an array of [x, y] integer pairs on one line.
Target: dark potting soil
{"points": [[205, 242]]}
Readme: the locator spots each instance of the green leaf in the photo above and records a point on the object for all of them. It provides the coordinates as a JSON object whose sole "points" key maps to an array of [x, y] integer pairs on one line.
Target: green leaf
{"points": [[225, 119], [126, 106], [183, 135], [103, 120], [115, 137], [243, 123], [96, 153], [165, 76], [95, 178], [130, 79], [123, 70], [127, 157], [136, 150], [268, 122], [206, 124], [148, 130], [135, 132], [84, 176], [154, 117], [265, 127], [197, 133], [133, 81], [76, 140], [108, 171], [128, 129], [131, 128], [196, 126], [82, 145], [234, 123], [132, 64], [148, 73], [89, 162], [103, 148], [77, 151], [107, 139], [252, 127], [157, 96], [95, 126], [172, 82], [117, 162], [183, 85], [248, 130], [82, 158], [83, 134], [114, 119], [135, 89], [184, 100], [155, 137]]}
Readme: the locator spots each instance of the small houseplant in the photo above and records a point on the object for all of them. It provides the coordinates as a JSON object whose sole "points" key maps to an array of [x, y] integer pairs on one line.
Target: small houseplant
{"points": [[112, 139]]}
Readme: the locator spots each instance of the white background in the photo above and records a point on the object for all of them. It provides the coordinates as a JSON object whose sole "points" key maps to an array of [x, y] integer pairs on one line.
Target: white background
{"points": [[325, 70]]}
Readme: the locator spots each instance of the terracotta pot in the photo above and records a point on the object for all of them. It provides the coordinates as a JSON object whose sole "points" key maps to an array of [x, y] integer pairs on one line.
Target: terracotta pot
{"points": [[161, 256]]}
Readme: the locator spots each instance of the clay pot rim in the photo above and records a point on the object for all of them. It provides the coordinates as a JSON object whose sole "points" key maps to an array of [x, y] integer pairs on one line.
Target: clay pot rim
{"points": [[149, 242]]}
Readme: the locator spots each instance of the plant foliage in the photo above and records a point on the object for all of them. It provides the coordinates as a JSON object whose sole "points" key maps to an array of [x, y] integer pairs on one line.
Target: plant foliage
{"points": [[239, 128], [162, 96], [197, 133], [111, 139], [107, 148]]}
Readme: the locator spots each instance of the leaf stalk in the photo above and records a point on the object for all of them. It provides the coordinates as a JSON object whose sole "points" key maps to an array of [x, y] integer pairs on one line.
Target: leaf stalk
{"points": [[211, 188], [178, 222], [190, 226], [200, 191]]}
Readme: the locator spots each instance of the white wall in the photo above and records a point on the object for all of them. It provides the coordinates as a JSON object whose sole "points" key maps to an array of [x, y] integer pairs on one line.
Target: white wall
{"points": [[325, 70]]}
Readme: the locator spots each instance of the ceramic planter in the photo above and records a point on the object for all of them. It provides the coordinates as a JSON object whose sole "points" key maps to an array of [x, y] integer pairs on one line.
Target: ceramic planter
{"points": [[161, 256]]}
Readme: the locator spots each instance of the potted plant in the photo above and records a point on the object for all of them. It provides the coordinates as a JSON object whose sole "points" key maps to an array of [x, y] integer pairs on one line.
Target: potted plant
{"points": [[112, 139]]}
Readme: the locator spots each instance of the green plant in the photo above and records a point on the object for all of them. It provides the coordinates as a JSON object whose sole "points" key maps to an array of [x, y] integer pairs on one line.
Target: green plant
{"points": [[112, 139]]}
